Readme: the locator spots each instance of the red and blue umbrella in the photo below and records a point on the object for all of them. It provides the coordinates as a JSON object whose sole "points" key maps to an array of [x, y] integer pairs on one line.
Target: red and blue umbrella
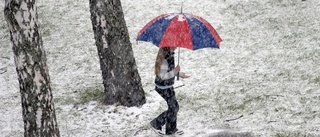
{"points": [[180, 30]]}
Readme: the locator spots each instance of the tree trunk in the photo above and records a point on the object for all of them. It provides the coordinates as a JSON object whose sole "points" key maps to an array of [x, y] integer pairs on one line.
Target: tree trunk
{"points": [[119, 71], [30, 59]]}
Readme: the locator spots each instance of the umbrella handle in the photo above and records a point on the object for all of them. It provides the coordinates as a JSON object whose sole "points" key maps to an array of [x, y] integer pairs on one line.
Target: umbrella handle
{"points": [[178, 62]]}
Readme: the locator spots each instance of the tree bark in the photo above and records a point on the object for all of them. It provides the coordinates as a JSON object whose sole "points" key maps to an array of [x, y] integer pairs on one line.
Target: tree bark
{"points": [[30, 59], [119, 71]]}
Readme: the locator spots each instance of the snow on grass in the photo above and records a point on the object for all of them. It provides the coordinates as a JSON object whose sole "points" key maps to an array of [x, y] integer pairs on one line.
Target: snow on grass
{"points": [[264, 79]]}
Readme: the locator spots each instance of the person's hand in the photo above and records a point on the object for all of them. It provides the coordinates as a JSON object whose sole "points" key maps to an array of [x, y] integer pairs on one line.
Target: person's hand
{"points": [[178, 68], [186, 76]]}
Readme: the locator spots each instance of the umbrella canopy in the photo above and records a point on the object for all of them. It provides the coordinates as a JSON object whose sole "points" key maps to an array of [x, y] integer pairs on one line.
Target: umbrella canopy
{"points": [[180, 30]]}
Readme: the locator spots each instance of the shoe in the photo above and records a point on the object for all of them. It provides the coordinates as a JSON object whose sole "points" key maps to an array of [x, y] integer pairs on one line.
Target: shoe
{"points": [[176, 133], [157, 131], [179, 132]]}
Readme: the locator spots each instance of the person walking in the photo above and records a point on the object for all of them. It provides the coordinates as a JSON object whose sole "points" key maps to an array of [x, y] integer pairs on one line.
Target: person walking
{"points": [[165, 71]]}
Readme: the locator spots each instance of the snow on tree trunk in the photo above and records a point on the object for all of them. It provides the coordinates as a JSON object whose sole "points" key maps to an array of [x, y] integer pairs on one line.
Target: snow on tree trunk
{"points": [[119, 71], [36, 96]]}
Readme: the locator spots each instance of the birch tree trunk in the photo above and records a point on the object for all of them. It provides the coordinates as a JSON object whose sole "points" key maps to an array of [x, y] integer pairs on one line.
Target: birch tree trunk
{"points": [[30, 59], [119, 71]]}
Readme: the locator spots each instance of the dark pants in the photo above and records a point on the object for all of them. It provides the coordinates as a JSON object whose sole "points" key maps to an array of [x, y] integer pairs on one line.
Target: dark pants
{"points": [[169, 117]]}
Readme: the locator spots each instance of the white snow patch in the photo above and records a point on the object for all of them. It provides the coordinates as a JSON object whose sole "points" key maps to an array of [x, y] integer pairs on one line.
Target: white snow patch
{"points": [[267, 70]]}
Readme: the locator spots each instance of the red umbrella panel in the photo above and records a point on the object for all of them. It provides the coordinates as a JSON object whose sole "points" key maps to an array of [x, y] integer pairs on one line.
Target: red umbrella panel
{"points": [[180, 30]]}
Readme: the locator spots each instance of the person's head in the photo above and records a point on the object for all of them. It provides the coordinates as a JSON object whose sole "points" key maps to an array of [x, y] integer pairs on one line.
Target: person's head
{"points": [[162, 53], [172, 49]]}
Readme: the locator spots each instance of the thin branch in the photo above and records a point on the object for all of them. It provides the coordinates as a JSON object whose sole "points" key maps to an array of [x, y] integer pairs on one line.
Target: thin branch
{"points": [[173, 87], [272, 121], [3, 70], [228, 120], [5, 57]]}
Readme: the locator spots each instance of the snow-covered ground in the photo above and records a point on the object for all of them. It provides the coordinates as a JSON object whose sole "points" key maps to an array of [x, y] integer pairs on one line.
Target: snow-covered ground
{"points": [[266, 75]]}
